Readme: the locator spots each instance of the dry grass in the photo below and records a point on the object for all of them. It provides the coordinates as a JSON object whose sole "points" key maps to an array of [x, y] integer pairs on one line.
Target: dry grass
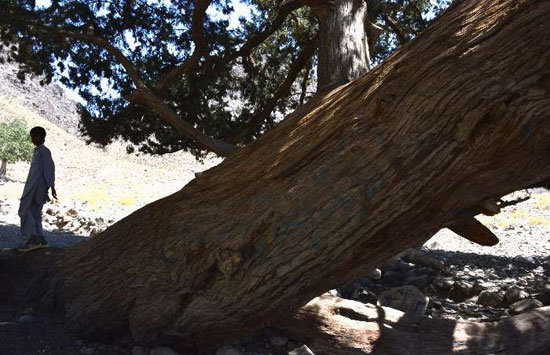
{"points": [[542, 201], [127, 200], [95, 196], [538, 221]]}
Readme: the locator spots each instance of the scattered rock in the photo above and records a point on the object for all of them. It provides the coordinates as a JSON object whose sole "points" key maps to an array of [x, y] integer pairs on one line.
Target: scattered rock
{"points": [[278, 341], [364, 296], [461, 291], [417, 281], [163, 351], [419, 257], [481, 285], [392, 278], [229, 350], [375, 274], [514, 294], [442, 285], [408, 299], [490, 298], [302, 350], [524, 306]]}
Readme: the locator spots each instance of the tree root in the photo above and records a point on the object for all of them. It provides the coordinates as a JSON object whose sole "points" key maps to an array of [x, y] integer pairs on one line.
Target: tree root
{"points": [[336, 326]]}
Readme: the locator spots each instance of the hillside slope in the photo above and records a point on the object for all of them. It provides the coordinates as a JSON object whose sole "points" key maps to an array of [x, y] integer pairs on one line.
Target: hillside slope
{"points": [[94, 182]]}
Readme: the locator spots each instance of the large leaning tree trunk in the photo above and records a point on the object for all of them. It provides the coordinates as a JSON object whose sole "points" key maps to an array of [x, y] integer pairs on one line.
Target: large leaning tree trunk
{"points": [[457, 116]]}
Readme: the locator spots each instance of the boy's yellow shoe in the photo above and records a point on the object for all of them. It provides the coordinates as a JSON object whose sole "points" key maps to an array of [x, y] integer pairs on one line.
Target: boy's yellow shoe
{"points": [[32, 247]]}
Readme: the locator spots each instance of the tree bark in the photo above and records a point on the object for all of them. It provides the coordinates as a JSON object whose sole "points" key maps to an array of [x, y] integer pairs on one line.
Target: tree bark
{"points": [[343, 50], [3, 169], [334, 326], [457, 116]]}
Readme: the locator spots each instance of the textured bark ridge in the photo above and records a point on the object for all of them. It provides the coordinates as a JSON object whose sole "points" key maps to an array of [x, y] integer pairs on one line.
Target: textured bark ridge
{"points": [[343, 50], [457, 116], [334, 326]]}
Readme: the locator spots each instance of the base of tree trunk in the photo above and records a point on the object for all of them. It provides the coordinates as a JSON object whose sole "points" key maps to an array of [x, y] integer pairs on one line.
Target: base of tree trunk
{"points": [[337, 326], [327, 324], [3, 169]]}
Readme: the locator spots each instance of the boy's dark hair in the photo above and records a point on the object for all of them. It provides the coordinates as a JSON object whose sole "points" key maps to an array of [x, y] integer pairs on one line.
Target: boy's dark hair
{"points": [[38, 131]]}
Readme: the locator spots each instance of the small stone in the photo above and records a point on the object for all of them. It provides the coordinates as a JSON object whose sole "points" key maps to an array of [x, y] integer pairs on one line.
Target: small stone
{"points": [[228, 350], [490, 298], [514, 294], [278, 341], [417, 281], [442, 285], [87, 350], [364, 296], [139, 350], [407, 299], [302, 350], [461, 291], [27, 318], [524, 305], [163, 351], [481, 285], [72, 212], [392, 278], [375, 274]]}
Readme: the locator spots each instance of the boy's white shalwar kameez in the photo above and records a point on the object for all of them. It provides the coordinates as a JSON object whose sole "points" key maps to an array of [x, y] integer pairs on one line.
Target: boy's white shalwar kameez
{"points": [[35, 194]]}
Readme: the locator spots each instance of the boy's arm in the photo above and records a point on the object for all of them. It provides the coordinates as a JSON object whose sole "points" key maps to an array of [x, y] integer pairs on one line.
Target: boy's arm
{"points": [[49, 171]]}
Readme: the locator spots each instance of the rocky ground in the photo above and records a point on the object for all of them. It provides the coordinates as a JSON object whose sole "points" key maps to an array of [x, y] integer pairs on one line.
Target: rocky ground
{"points": [[451, 278]]}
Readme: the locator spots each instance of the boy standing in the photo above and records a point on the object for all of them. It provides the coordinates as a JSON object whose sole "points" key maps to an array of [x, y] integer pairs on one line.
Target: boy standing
{"points": [[35, 194]]}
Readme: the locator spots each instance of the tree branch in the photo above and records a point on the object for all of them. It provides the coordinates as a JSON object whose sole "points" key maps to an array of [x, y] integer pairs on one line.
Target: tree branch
{"points": [[201, 47], [393, 25], [261, 36], [297, 65], [145, 97], [131, 70]]}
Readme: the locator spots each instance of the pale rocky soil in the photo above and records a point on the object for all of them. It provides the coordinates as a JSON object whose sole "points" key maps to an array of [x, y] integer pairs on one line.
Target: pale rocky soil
{"points": [[95, 182]]}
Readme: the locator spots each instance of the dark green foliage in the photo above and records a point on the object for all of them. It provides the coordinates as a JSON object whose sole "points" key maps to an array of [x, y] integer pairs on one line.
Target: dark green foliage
{"points": [[218, 97]]}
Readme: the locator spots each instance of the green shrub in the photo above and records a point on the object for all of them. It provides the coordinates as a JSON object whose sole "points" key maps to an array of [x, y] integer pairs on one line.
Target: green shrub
{"points": [[15, 144]]}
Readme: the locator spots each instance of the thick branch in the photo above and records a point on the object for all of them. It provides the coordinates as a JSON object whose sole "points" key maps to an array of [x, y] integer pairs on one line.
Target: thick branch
{"points": [[475, 231], [395, 27], [145, 97], [103, 43], [201, 47], [336, 326], [297, 65]]}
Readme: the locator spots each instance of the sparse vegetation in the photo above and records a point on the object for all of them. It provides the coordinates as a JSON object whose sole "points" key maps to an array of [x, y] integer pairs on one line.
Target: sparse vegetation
{"points": [[14, 144]]}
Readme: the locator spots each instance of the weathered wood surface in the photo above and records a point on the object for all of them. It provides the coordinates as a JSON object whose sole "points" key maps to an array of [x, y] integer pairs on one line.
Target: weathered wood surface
{"points": [[456, 117], [334, 326]]}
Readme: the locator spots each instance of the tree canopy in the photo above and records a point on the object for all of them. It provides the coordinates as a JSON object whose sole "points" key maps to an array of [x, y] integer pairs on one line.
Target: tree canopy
{"points": [[145, 67]]}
